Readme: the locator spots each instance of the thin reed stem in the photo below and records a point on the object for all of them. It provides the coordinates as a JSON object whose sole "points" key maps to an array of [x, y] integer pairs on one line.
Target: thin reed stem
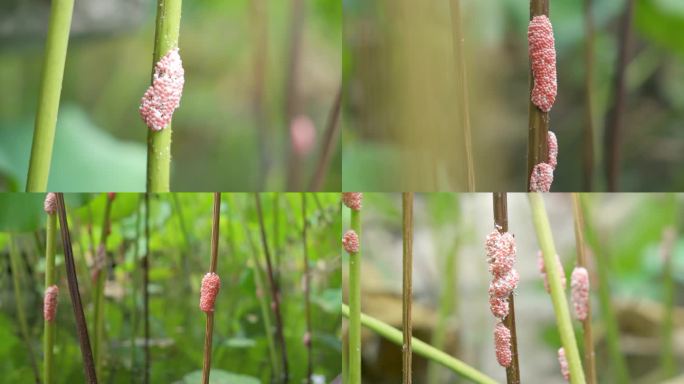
{"points": [[538, 131], [134, 298], [462, 84], [159, 142], [50, 92], [146, 292], [588, 155], [209, 329], [259, 24], [407, 284], [76, 304], [421, 348], [608, 317], [500, 203], [583, 261], [50, 279], [307, 293], [355, 304], [275, 292], [560, 303], [292, 95], [19, 302], [330, 139], [100, 271]]}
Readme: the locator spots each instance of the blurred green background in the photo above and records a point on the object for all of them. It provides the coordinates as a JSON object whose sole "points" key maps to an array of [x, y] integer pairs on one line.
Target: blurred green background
{"points": [[401, 121], [180, 230], [230, 133]]}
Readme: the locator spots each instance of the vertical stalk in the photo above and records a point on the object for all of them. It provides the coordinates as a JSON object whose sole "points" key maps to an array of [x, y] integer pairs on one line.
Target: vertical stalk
{"points": [[307, 294], [209, 329], [667, 356], [500, 203], [537, 148], [275, 294], [582, 261], [72, 279], [50, 92], [459, 52], [159, 142], [610, 323], [332, 133], [134, 298], [613, 134], [407, 262], [588, 158], [49, 337], [19, 302], [259, 24], [560, 303], [146, 293], [355, 304], [100, 271], [292, 96]]}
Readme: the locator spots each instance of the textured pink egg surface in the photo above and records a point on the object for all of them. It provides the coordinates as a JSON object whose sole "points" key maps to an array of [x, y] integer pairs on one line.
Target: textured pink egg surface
{"points": [[565, 369], [163, 97], [579, 286], [50, 303], [542, 271], [50, 203], [352, 200], [543, 62], [211, 283], [350, 241], [502, 344], [541, 178], [302, 135], [552, 144]]}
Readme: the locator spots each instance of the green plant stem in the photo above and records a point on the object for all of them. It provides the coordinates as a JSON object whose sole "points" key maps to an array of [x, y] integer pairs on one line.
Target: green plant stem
{"points": [[209, 329], [50, 91], [49, 337], [100, 278], [19, 300], [582, 261], [537, 148], [667, 356], [421, 348], [407, 284], [307, 293], [355, 305], [560, 303], [159, 142], [74, 293], [134, 298], [146, 293], [610, 322]]}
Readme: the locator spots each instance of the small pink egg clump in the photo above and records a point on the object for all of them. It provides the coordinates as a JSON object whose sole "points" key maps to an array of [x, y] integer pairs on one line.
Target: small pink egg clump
{"points": [[579, 284], [111, 195], [500, 249], [352, 200], [542, 271], [302, 135], [50, 303], [543, 61], [541, 178], [350, 241], [565, 369], [211, 283], [163, 97], [502, 344], [50, 203], [552, 144]]}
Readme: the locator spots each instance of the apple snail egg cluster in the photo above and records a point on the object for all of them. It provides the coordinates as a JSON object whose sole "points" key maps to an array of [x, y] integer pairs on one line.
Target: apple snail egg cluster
{"points": [[163, 97]]}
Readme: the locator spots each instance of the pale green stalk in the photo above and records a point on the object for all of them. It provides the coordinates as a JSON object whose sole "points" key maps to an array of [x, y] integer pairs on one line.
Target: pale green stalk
{"points": [[421, 348], [49, 337], [50, 91], [355, 305], [560, 303]]}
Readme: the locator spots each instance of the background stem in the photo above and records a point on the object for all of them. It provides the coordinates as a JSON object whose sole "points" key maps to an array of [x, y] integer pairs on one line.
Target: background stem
{"points": [[560, 303], [500, 203], [159, 142], [582, 261], [355, 304], [421, 348], [100, 278], [146, 292], [307, 294], [330, 139], [588, 158], [49, 340], [209, 329], [50, 92], [407, 297], [72, 279], [537, 149]]}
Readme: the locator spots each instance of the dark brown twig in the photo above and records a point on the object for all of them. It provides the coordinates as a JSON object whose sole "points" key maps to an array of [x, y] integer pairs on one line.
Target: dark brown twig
{"points": [[72, 280], [209, 329], [613, 134], [501, 221], [275, 294], [537, 148], [407, 284], [307, 294], [330, 139]]}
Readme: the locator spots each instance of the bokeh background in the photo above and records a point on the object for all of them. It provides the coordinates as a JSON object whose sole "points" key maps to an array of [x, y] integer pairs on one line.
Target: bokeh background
{"points": [[402, 127], [451, 281], [179, 243], [231, 132]]}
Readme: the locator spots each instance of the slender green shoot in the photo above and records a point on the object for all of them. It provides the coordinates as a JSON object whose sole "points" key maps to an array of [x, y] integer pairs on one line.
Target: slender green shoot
{"points": [[560, 303], [100, 270], [355, 305], [159, 142], [49, 336], [421, 348], [50, 91]]}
